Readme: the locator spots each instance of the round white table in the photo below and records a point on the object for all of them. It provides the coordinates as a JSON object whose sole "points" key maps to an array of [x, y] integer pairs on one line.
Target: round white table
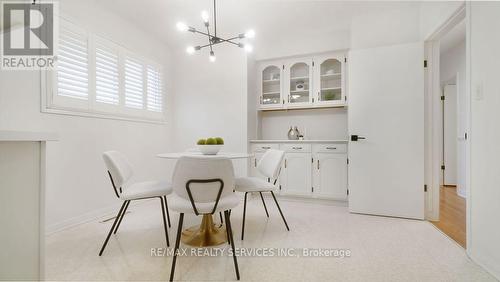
{"points": [[232, 156], [207, 233]]}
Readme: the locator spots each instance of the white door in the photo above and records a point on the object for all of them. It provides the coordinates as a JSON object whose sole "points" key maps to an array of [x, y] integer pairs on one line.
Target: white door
{"points": [[386, 107], [329, 79], [296, 174], [450, 132], [330, 175], [271, 86]]}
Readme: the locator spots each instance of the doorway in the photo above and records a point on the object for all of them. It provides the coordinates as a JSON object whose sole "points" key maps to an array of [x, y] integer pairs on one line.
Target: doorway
{"points": [[450, 106]]}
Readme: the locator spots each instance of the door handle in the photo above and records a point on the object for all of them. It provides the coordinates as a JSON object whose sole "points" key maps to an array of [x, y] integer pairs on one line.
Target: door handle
{"points": [[357, 137]]}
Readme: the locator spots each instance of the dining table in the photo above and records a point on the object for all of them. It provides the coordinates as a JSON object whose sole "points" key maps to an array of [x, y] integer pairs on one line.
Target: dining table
{"points": [[207, 233]]}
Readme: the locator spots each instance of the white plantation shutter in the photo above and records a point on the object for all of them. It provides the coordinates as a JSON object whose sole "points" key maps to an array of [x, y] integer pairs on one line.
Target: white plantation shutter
{"points": [[154, 90], [134, 87], [72, 65], [106, 75]]}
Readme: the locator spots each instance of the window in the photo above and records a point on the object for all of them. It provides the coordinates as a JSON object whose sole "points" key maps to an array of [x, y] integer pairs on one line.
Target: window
{"points": [[106, 75], [134, 88], [72, 65], [154, 90], [96, 77]]}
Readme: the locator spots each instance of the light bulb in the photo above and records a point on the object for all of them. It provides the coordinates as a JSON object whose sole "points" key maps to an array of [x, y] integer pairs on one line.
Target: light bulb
{"points": [[250, 33], [212, 56], [182, 26], [248, 48], [190, 50], [204, 16]]}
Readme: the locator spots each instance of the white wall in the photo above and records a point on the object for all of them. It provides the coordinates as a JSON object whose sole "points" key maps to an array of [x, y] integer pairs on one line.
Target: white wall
{"points": [[397, 24], [434, 13], [453, 62], [484, 197], [211, 100], [315, 124], [78, 186]]}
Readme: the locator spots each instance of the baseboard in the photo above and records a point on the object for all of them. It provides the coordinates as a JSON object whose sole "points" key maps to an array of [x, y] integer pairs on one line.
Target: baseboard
{"points": [[484, 263], [94, 215]]}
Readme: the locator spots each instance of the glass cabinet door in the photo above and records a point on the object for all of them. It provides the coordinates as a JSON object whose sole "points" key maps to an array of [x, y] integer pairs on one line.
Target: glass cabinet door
{"points": [[299, 86], [330, 80], [271, 86]]}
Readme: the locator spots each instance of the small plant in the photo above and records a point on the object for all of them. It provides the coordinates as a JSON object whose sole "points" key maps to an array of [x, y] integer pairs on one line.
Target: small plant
{"points": [[219, 140], [211, 141], [201, 142]]}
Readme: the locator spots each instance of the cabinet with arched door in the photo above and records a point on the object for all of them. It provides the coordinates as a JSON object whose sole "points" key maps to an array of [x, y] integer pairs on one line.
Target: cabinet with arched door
{"points": [[271, 85], [329, 79]]}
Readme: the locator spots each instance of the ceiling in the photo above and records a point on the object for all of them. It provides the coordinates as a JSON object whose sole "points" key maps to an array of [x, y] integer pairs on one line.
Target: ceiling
{"points": [[273, 20]]}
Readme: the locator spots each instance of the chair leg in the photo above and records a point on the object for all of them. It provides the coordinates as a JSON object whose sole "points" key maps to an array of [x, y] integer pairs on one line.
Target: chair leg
{"points": [[227, 231], [264, 203], [244, 213], [282, 216], [164, 221], [166, 208], [230, 231], [177, 241], [121, 217], [220, 215], [112, 228]]}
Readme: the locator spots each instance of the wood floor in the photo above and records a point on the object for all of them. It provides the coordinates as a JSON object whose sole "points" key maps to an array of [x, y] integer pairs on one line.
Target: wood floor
{"points": [[452, 214]]}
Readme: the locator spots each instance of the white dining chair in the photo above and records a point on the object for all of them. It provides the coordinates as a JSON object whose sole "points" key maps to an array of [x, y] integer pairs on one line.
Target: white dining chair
{"points": [[270, 166], [203, 187], [120, 173]]}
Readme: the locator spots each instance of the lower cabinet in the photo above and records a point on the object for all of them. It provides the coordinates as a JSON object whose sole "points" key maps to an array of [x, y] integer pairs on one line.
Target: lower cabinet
{"points": [[296, 174], [309, 170], [330, 175]]}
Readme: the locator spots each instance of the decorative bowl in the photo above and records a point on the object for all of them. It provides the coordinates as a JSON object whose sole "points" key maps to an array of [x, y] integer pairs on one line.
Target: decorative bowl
{"points": [[209, 149]]}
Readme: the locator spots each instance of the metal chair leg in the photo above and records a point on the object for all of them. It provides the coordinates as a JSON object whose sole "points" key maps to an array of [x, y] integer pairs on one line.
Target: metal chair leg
{"points": [[282, 216], [166, 208], [121, 217], [112, 228], [177, 241], [244, 213], [164, 221], [230, 231], [220, 215], [264, 203]]}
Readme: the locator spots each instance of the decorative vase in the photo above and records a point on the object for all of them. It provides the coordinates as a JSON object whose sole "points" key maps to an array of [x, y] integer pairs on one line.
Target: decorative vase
{"points": [[293, 134]]}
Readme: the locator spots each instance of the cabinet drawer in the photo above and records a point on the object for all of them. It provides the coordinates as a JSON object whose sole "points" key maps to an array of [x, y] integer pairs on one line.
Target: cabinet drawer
{"points": [[262, 147], [296, 148], [330, 148]]}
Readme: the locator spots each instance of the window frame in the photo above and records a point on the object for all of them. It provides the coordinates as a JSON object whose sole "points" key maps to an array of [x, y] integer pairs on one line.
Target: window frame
{"points": [[53, 103]]}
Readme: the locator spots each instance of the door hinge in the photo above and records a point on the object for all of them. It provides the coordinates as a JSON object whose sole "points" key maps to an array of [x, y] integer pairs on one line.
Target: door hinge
{"points": [[425, 63], [442, 98], [443, 167], [425, 187]]}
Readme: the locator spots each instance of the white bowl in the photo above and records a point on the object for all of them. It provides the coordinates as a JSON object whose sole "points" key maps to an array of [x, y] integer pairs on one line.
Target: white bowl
{"points": [[210, 149]]}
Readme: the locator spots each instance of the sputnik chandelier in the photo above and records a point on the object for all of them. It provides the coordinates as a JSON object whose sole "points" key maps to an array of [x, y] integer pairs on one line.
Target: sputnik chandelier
{"points": [[213, 39]]}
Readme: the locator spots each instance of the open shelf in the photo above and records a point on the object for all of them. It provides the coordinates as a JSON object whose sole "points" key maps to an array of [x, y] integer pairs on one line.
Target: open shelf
{"points": [[331, 88], [331, 75], [299, 78], [271, 81], [271, 93]]}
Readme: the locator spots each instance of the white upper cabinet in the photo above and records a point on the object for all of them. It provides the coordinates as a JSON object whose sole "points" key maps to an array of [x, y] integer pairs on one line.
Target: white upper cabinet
{"points": [[271, 85], [329, 79], [299, 82], [303, 83]]}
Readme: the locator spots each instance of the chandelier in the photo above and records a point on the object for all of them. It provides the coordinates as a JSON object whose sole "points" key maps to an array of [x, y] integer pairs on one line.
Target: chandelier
{"points": [[212, 38]]}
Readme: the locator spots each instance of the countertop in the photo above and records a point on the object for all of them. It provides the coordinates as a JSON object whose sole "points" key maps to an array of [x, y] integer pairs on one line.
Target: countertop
{"points": [[299, 141], [8, 135]]}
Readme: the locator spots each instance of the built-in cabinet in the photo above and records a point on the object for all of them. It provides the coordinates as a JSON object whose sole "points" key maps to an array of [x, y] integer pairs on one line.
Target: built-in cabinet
{"points": [[308, 82], [315, 169]]}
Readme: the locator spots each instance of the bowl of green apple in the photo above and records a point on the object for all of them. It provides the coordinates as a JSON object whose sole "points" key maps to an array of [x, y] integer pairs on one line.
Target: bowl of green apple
{"points": [[210, 146]]}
